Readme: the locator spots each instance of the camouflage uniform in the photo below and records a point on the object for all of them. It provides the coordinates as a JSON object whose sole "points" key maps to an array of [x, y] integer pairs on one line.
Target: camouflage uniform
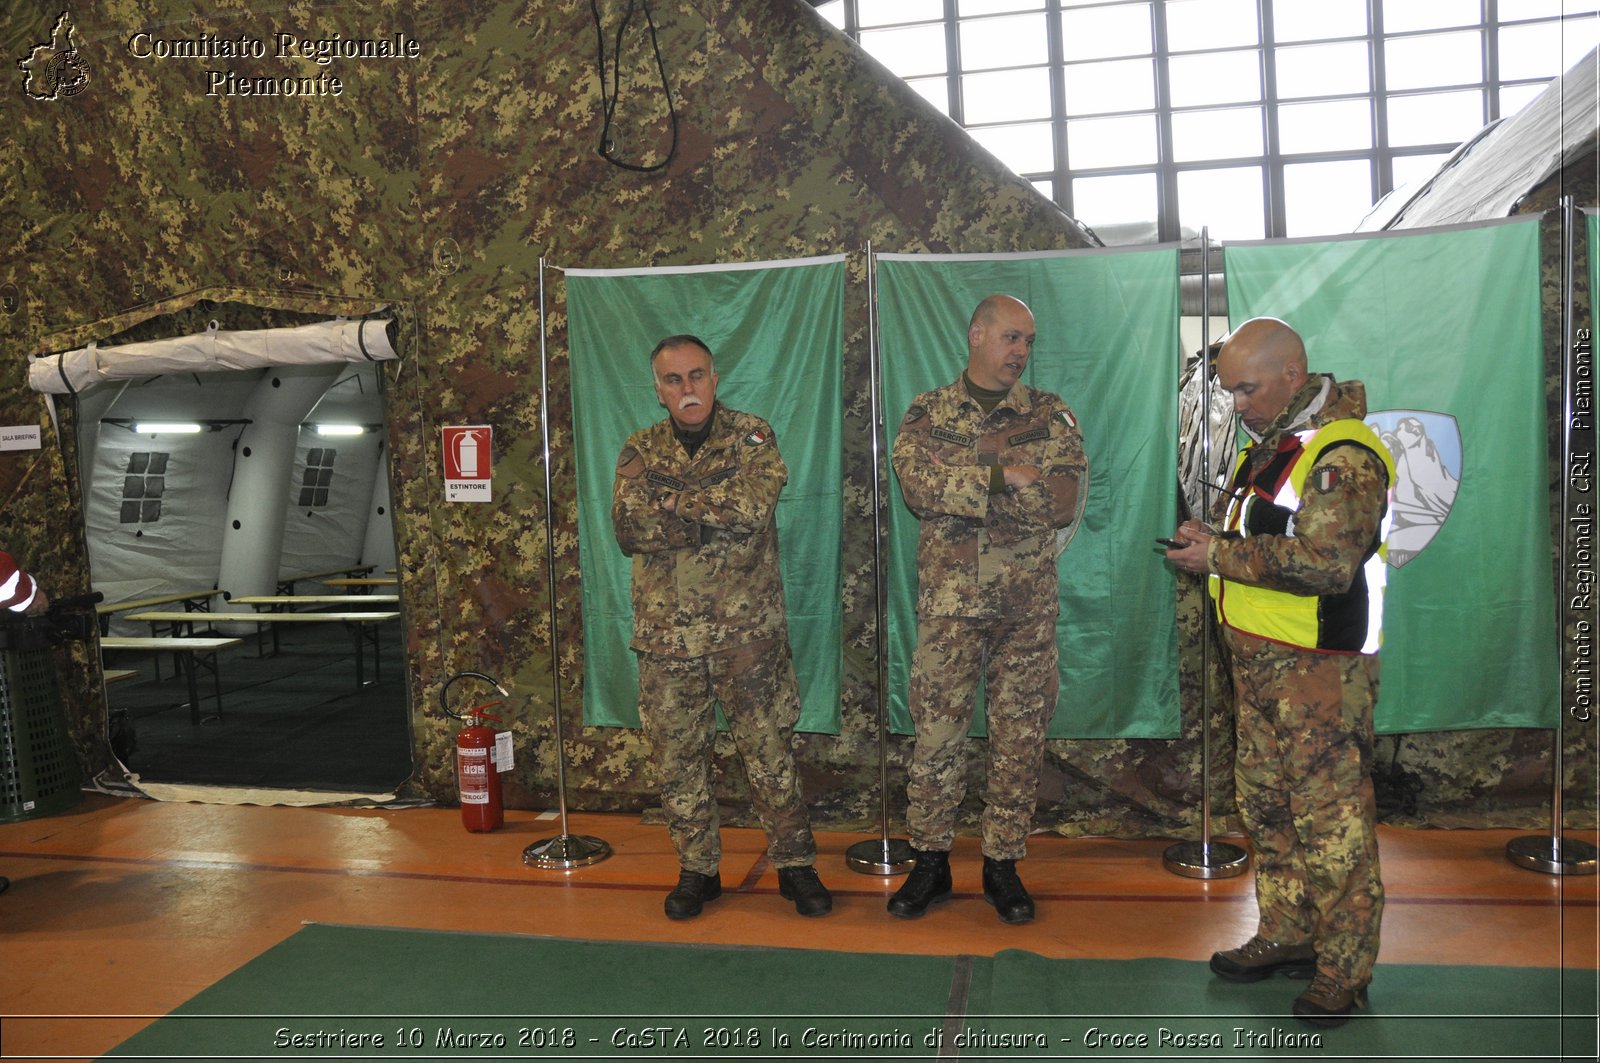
{"points": [[709, 626], [1304, 762], [987, 599]]}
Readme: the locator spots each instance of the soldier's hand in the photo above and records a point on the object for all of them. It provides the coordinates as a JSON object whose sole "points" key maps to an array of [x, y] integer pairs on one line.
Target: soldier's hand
{"points": [[1192, 556], [41, 602]]}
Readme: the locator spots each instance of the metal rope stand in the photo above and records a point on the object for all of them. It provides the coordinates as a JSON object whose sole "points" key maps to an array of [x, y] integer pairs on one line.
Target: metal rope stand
{"points": [[1205, 859], [566, 850], [1552, 853], [882, 855]]}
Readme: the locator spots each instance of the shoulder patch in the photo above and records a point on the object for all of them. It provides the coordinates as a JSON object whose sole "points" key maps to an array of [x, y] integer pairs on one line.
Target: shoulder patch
{"points": [[629, 463], [913, 415], [1065, 416], [1325, 479], [757, 438]]}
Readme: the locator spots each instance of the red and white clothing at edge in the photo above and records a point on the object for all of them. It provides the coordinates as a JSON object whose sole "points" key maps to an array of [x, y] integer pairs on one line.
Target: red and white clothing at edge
{"points": [[17, 588]]}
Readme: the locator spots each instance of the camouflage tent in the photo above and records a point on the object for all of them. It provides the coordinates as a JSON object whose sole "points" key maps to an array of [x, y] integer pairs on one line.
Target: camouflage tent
{"points": [[166, 167]]}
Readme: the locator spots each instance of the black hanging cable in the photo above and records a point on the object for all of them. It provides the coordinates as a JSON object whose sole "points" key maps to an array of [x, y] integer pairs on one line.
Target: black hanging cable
{"points": [[609, 98]]}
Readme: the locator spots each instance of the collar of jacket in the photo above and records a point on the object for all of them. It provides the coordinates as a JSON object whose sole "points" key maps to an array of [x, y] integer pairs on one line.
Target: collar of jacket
{"points": [[1305, 405], [1017, 400]]}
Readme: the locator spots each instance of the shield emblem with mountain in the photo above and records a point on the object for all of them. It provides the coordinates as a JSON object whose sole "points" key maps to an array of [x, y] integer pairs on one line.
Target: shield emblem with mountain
{"points": [[1426, 448]]}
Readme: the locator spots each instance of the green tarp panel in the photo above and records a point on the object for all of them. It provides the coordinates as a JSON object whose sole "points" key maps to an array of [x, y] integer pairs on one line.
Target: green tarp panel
{"points": [[777, 330], [1108, 344], [1443, 326]]}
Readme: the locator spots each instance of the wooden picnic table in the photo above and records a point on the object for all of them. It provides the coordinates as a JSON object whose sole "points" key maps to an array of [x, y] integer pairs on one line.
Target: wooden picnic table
{"points": [[286, 583], [190, 650], [292, 600], [200, 600], [358, 622], [279, 602], [107, 608]]}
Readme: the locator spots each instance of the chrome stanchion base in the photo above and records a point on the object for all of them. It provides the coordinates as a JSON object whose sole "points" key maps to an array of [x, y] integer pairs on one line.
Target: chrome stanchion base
{"points": [[1205, 860], [566, 850], [880, 856], [1553, 856]]}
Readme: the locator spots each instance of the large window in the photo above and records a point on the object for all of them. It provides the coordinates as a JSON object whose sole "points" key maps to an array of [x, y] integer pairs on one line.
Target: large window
{"points": [[1253, 117]]}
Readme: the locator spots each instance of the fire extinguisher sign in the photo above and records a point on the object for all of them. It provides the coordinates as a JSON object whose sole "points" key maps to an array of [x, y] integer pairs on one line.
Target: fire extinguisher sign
{"points": [[467, 464]]}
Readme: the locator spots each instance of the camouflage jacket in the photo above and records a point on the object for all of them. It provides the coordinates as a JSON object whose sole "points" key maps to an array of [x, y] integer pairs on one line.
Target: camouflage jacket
{"points": [[705, 578], [983, 554], [1334, 529]]}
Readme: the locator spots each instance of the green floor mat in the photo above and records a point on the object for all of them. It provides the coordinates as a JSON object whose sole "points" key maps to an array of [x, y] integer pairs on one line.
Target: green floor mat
{"points": [[332, 992]]}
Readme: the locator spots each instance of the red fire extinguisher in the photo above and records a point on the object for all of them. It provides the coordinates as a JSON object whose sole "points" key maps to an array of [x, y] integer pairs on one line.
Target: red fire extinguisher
{"points": [[477, 768]]}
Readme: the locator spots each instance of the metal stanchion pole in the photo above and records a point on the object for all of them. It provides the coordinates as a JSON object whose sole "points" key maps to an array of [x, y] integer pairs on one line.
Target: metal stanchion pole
{"points": [[566, 850], [1205, 858], [882, 855], [1552, 853]]}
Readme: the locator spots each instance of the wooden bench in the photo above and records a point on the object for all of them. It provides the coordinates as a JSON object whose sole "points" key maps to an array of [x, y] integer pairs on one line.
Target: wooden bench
{"points": [[358, 622], [289, 601], [362, 584], [195, 652], [286, 583]]}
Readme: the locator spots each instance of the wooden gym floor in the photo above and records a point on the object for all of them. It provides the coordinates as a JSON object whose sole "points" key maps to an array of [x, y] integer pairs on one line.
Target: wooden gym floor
{"points": [[125, 907]]}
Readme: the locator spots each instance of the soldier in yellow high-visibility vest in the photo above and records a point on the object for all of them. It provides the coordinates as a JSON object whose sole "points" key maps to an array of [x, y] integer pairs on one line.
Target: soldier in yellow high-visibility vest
{"points": [[1296, 558]]}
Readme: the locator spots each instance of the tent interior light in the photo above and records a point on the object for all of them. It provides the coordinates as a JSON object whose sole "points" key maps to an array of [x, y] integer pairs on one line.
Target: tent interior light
{"points": [[174, 427], [340, 429]]}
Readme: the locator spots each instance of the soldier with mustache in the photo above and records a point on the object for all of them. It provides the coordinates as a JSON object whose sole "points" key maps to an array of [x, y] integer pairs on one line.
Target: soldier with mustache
{"points": [[993, 468], [692, 503]]}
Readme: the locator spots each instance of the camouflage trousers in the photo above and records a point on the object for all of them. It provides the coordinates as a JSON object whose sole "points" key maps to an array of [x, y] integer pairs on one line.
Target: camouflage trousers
{"points": [[1303, 777], [756, 686], [1017, 658]]}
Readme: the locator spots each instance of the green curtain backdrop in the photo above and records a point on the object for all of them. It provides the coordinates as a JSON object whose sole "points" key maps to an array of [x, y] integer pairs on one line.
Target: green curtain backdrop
{"points": [[777, 330], [1442, 324], [1107, 344]]}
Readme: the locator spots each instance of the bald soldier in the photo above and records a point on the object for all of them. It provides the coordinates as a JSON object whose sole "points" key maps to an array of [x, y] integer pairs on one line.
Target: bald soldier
{"points": [[1296, 558], [992, 468], [693, 504]]}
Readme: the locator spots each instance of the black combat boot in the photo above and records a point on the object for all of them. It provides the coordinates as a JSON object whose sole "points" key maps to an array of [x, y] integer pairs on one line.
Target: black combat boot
{"points": [[928, 883], [802, 886], [691, 894], [1003, 889]]}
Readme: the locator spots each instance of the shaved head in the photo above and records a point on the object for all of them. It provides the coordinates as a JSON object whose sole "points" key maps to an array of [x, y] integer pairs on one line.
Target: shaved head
{"points": [[1269, 339], [1263, 365], [999, 342], [989, 310]]}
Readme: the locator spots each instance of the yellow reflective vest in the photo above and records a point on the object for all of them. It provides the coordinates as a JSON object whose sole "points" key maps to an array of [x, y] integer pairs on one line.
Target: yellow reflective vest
{"points": [[1265, 504]]}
